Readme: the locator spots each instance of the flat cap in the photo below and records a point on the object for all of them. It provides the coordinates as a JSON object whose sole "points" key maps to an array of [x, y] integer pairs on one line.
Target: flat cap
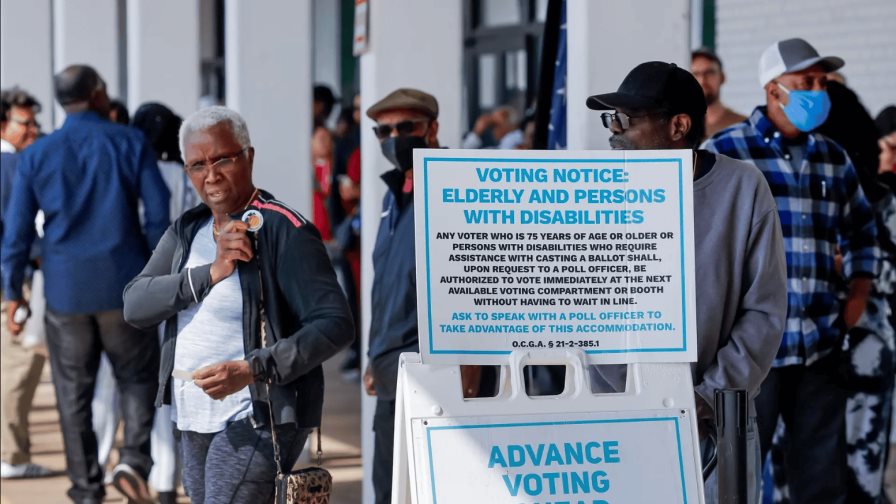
{"points": [[406, 98]]}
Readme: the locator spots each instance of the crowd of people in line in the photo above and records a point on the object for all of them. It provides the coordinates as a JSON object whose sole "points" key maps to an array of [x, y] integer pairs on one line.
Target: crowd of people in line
{"points": [[174, 300], [130, 257], [794, 224]]}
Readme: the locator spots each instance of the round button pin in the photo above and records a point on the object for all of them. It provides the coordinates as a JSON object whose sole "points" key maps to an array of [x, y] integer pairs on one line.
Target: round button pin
{"points": [[254, 219]]}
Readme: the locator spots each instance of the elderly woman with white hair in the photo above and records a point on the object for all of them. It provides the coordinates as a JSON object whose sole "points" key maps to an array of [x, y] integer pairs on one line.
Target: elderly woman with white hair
{"points": [[252, 308]]}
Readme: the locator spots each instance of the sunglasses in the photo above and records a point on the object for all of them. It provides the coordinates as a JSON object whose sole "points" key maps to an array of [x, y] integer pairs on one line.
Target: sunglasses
{"points": [[622, 120], [403, 128]]}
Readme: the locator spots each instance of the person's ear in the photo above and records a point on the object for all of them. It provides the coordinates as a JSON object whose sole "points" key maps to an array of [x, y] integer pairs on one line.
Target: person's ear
{"points": [[772, 92], [250, 157], [679, 126], [432, 136], [722, 75]]}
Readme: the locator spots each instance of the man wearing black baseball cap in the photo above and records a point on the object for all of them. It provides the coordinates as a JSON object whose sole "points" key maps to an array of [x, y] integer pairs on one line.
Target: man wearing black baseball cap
{"points": [[824, 214], [739, 254], [657, 103]]}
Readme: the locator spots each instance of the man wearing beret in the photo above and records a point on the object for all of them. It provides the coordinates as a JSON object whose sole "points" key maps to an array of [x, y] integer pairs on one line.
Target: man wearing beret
{"points": [[406, 119]]}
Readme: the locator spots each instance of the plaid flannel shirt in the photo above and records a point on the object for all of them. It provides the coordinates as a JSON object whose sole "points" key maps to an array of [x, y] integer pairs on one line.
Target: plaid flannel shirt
{"points": [[822, 208]]}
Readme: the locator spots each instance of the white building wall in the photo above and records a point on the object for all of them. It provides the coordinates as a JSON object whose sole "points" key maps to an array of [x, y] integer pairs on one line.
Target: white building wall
{"points": [[163, 54], [207, 35], [86, 32], [607, 40], [28, 24], [268, 74], [327, 61], [859, 31], [413, 43]]}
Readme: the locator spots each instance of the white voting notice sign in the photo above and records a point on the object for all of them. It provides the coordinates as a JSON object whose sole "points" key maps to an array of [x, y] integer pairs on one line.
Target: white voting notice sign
{"points": [[591, 250], [600, 458], [577, 447]]}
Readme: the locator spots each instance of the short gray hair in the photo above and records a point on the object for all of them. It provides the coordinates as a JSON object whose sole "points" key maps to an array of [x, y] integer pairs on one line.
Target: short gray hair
{"points": [[209, 117]]}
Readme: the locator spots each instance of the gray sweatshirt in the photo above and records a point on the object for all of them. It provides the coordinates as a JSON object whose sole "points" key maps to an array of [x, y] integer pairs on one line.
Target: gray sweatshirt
{"points": [[741, 282]]}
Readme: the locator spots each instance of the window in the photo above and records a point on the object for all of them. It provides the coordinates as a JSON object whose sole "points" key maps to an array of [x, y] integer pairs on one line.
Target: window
{"points": [[502, 44]]}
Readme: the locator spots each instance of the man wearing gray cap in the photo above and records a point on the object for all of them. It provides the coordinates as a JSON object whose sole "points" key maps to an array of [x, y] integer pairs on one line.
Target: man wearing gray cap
{"points": [[823, 213]]}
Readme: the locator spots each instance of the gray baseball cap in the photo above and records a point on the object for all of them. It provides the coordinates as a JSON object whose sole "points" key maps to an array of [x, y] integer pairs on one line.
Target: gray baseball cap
{"points": [[792, 55]]}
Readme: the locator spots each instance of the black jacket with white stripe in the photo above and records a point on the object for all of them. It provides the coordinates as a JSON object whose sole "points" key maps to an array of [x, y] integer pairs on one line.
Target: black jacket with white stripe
{"points": [[307, 317]]}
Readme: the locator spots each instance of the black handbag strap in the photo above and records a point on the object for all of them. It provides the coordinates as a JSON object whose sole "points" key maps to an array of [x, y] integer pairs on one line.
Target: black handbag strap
{"points": [[262, 321]]}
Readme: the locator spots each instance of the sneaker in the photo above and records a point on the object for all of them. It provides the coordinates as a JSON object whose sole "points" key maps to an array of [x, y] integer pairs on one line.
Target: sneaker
{"points": [[131, 484], [350, 369], [352, 361], [351, 376], [21, 471]]}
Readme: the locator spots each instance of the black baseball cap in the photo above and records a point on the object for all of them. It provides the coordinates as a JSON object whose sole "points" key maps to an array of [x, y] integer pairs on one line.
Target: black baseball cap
{"points": [[655, 85]]}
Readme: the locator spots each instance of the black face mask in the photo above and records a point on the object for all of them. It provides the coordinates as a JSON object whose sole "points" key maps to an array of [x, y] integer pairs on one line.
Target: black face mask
{"points": [[400, 150]]}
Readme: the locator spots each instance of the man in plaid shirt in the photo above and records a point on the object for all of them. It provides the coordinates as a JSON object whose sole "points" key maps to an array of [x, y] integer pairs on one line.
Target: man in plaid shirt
{"points": [[823, 213]]}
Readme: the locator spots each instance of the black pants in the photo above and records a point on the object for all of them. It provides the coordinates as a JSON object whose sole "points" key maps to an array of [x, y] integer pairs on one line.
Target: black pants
{"points": [[75, 343], [811, 401], [383, 436]]}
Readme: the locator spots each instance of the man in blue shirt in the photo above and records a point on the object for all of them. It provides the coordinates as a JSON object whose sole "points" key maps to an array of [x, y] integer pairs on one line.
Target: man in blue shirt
{"points": [[88, 178], [823, 214]]}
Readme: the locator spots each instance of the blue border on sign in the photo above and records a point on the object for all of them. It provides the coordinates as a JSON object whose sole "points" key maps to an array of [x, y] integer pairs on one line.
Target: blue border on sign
{"points": [[429, 430], [684, 318]]}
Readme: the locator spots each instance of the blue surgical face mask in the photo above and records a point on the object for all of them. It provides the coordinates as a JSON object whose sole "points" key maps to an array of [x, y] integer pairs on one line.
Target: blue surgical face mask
{"points": [[806, 110]]}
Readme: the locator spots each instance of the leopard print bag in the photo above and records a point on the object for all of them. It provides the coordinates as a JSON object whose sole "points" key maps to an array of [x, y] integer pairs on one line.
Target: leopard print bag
{"points": [[311, 485]]}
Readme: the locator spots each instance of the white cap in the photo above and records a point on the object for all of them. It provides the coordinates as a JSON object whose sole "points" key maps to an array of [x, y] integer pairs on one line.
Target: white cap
{"points": [[792, 55]]}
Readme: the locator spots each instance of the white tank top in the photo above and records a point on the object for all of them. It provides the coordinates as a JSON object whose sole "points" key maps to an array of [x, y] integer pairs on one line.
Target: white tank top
{"points": [[209, 332]]}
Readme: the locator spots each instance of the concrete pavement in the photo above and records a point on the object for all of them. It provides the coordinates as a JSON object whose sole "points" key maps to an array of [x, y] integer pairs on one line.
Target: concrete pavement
{"points": [[341, 444]]}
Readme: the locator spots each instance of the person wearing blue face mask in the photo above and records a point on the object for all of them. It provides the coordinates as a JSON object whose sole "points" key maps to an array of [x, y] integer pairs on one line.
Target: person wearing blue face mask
{"points": [[823, 214]]}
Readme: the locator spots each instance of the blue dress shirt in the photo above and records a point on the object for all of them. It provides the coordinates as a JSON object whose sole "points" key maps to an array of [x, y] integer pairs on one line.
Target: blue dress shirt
{"points": [[88, 177]]}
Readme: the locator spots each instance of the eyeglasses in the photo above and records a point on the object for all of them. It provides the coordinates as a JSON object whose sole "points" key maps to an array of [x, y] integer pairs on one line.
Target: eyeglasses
{"points": [[712, 72], [222, 163], [622, 120], [403, 128], [29, 123]]}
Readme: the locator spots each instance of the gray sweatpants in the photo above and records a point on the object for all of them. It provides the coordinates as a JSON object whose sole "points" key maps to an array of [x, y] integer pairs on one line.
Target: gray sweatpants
{"points": [[236, 465]]}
